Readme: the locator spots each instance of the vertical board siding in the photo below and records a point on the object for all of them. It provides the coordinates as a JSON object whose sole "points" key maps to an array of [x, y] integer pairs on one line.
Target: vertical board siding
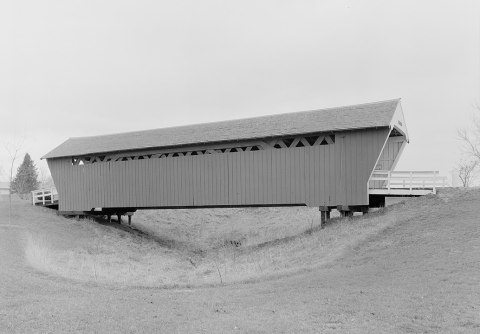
{"points": [[340, 163], [387, 158], [389, 155], [324, 175]]}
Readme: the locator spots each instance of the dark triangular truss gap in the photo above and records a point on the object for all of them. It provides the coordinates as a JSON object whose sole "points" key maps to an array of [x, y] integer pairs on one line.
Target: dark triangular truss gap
{"points": [[280, 143]]}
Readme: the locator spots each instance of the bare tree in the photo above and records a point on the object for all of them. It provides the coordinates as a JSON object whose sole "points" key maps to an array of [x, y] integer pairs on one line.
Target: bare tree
{"points": [[471, 137], [466, 171], [13, 150]]}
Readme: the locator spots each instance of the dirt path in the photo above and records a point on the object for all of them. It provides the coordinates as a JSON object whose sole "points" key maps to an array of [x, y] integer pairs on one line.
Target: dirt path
{"points": [[421, 275]]}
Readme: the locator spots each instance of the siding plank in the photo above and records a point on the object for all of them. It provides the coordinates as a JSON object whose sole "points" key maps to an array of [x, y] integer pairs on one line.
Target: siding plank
{"points": [[301, 177], [269, 176]]}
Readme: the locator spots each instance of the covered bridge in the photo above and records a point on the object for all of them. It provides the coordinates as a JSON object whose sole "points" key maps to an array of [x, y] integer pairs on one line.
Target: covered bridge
{"points": [[323, 158]]}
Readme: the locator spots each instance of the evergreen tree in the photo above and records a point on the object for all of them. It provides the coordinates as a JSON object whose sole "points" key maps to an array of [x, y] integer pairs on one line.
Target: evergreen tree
{"points": [[26, 179]]}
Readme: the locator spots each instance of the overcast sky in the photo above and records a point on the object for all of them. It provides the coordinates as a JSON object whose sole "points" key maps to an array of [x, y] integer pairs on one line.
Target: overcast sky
{"points": [[89, 67]]}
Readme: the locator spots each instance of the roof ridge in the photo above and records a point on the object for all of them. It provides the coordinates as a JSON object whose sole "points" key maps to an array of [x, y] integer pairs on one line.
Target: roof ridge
{"points": [[237, 119]]}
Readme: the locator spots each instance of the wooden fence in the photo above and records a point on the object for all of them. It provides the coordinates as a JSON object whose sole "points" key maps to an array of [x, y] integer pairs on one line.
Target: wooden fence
{"points": [[45, 196], [406, 182]]}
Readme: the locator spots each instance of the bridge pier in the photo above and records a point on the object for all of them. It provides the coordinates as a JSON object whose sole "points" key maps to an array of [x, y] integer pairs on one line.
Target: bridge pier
{"points": [[324, 214], [345, 211]]}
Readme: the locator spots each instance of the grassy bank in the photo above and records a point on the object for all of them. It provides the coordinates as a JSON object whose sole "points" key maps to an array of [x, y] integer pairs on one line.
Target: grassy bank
{"points": [[168, 248]]}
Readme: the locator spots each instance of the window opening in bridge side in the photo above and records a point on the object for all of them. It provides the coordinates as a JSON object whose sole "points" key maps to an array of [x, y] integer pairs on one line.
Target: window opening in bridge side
{"points": [[277, 143]]}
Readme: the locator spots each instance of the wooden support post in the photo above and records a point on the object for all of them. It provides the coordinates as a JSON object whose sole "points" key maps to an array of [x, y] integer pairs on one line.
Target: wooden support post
{"points": [[345, 210], [324, 215], [119, 216], [129, 215], [109, 217]]}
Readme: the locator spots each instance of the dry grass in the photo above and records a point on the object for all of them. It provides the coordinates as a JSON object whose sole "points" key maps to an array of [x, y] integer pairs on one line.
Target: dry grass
{"points": [[411, 268], [109, 256], [205, 229], [202, 247]]}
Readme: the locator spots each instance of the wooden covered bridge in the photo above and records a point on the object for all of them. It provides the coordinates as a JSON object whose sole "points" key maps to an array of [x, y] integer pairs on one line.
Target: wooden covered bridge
{"points": [[337, 158]]}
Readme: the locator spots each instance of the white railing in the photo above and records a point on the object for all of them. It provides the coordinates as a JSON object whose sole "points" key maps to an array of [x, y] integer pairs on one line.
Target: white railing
{"points": [[407, 180], [44, 196]]}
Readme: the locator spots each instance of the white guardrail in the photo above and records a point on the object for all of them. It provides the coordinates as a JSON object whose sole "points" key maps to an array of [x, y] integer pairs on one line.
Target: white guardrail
{"points": [[44, 196], [407, 180]]}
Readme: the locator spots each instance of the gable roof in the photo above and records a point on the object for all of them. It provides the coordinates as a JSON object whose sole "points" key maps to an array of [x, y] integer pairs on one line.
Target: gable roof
{"points": [[361, 116]]}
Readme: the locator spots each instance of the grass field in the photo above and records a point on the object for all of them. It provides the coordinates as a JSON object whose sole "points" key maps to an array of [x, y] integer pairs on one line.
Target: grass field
{"points": [[411, 268]]}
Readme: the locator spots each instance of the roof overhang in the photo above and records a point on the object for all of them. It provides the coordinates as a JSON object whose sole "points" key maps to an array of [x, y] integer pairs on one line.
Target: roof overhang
{"points": [[398, 122]]}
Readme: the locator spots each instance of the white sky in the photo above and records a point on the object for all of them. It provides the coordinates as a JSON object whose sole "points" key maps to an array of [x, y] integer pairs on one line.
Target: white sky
{"points": [[88, 67]]}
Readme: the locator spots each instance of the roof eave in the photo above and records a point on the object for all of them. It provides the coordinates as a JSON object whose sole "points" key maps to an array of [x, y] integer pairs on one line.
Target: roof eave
{"points": [[53, 156]]}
